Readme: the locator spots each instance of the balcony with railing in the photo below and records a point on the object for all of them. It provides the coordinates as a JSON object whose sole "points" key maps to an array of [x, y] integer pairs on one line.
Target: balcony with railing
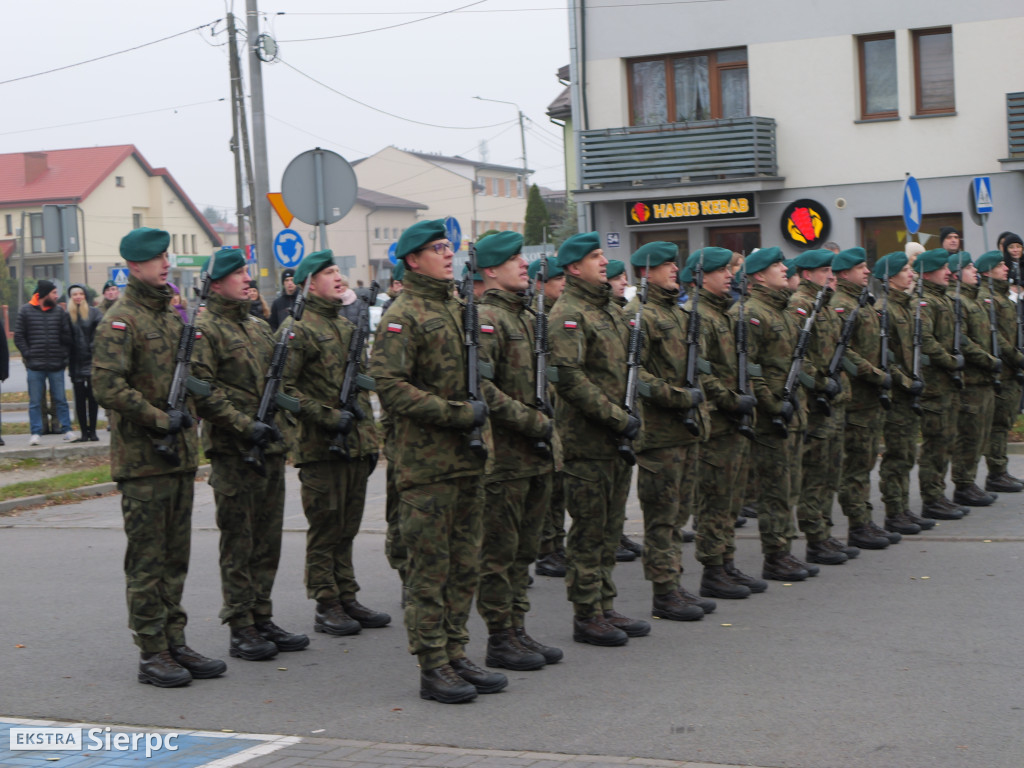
{"points": [[680, 153]]}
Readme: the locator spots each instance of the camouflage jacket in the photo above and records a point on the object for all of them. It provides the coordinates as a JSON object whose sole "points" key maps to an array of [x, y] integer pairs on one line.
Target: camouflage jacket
{"points": [[317, 358], [106, 304], [232, 352], [937, 340], [664, 357], [589, 338], [718, 346], [901, 341], [771, 336], [419, 364], [825, 333], [1006, 316], [977, 339], [506, 341], [863, 357], [133, 363]]}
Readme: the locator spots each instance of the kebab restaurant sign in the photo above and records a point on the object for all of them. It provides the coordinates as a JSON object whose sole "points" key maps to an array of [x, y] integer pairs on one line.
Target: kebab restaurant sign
{"points": [[673, 209], [805, 223]]}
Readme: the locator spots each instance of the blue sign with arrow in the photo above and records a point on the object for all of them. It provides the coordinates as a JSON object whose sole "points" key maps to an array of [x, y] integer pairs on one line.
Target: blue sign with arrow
{"points": [[392, 251], [912, 205], [454, 231], [289, 248]]}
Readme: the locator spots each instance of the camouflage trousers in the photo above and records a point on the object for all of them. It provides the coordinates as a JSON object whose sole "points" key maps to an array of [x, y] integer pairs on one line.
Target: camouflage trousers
{"points": [[513, 515], [441, 527], [861, 439], [157, 515], [902, 428], [973, 430], [771, 456], [394, 549], [938, 434], [1005, 414], [333, 496], [665, 483], [821, 456], [250, 515], [595, 493], [552, 537], [719, 496]]}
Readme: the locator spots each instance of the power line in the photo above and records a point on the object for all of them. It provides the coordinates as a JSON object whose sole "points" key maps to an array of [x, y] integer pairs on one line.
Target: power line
{"points": [[433, 15], [115, 117], [109, 55]]}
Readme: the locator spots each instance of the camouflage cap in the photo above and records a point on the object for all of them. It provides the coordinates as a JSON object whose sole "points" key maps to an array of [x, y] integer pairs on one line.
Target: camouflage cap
{"points": [[553, 269], [315, 262], [713, 259], [654, 254], [849, 259], [761, 259], [418, 235], [932, 260], [815, 258], [890, 265], [144, 243], [578, 246], [988, 261], [614, 268], [494, 250], [224, 263]]}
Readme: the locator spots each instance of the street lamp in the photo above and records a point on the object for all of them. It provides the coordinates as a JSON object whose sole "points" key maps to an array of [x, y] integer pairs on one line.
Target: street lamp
{"points": [[522, 131]]}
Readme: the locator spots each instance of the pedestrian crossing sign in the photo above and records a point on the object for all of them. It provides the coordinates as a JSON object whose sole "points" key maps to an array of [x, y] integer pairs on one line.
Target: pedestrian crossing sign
{"points": [[982, 194]]}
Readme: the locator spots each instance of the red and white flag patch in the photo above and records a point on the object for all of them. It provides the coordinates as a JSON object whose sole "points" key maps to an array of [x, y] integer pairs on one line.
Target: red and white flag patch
{"points": [[570, 325], [117, 325], [394, 327], [486, 329], [801, 311], [924, 303], [199, 334], [754, 321], [840, 310]]}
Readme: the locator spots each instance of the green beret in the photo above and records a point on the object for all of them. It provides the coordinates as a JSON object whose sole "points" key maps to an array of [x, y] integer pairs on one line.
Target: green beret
{"points": [[224, 263], [399, 271], [790, 267], [494, 250], [959, 260], [418, 235], [614, 268], [144, 243], [654, 254], [578, 246], [686, 275], [815, 258], [108, 284], [848, 259], [477, 277], [890, 265], [711, 259], [929, 261], [761, 259], [987, 261], [553, 269], [315, 262]]}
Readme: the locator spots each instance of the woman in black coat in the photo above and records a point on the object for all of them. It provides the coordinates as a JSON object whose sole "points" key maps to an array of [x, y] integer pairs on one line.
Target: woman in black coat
{"points": [[84, 320]]}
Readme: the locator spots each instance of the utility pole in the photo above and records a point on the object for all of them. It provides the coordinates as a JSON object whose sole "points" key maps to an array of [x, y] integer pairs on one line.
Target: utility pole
{"points": [[237, 109], [259, 205]]}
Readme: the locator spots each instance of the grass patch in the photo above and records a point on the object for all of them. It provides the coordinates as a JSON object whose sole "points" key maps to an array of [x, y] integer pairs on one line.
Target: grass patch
{"points": [[23, 427], [66, 482]]}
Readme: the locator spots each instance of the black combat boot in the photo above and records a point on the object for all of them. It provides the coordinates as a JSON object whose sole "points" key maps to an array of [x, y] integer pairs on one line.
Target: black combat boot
{"points": [[820, 552], [670, 606], [596, 630], [877, 530], [739, 522], [779, 566], [551, 654], [1003, 483], [332, 619], [632, 546], [922, 523], [160, 669], [833, 543], [863, 537], [900, 523], [754, 585], [199, 666], [708, 606], [246, 643], [632, 627], [623, 555], [972, 496], [367, 617], [505, 651], [282, 638], [481, 679], [688, 537], [444, 685], [715, 582], [551, 564], [936, 510]]}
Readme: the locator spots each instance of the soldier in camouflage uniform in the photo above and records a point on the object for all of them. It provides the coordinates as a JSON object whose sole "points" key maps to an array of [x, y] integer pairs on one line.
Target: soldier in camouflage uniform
{"points": [[674, 421], [336, 450], [153, 458], [232, 351], [526, 451], [772, 335], [111, 293], [551, 561], [723, 455], [394, 550], [977, 400], [419, 364], [821, 451], [994, 273], [940, 401], [902, 424], [589, 338]]}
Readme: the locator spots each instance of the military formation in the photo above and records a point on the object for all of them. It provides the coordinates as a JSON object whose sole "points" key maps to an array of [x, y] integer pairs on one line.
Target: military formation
{"points": [[732, 386]]}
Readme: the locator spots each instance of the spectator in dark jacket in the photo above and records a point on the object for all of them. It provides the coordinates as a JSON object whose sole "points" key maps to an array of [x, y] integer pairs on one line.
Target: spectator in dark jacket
{"points": [[5, 356], [84, 321], [283, 304], [44, 337], [257, 304], [353, 309]]}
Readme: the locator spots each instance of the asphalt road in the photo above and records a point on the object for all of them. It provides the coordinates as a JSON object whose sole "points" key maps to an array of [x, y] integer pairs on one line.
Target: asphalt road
{"points": [[903, 658]]}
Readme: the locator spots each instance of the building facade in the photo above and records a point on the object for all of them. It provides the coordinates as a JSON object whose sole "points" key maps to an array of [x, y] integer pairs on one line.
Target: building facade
{"points": [[743, 124]]}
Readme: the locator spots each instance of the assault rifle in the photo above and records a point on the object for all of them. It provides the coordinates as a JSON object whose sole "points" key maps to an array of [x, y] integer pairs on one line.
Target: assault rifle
{"points": [[915, 404], [993, 327], [693, 346], [883, 341], [742, 374], [803, 340], [540, 354], [958, 323], [844, 343], [636, 340], [272, 396], [354, 381], [471, 328], [1015, 279]]}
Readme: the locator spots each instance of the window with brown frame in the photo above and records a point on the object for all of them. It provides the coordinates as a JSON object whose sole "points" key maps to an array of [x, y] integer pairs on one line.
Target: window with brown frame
{"points": [[877, 61], [683, 88], [933, 71]]}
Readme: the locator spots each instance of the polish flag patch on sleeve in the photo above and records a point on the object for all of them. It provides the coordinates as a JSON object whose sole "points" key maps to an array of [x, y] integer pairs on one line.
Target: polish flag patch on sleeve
{"points": [[840, 310], [754, 321], [199, 334], [924, 303], [394, 327], [117, 325], [570, 325], [486, 329], [801, 311]]}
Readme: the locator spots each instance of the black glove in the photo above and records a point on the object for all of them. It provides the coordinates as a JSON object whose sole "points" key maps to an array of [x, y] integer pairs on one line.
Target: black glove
{"points": [[832, 388], [916, 388], [886, 384], [177, 421], [786, 414], [480, 411], [696, 396], [264, 434], [345, 423], [632, 428], [958, 362], [373, 462], [745, 404]]}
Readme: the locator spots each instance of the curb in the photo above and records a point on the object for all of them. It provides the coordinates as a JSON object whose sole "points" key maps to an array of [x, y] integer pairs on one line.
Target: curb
{"points": [[63, 450]]}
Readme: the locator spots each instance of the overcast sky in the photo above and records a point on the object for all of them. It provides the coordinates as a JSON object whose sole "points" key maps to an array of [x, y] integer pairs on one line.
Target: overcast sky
{"points": [[170, 99]]}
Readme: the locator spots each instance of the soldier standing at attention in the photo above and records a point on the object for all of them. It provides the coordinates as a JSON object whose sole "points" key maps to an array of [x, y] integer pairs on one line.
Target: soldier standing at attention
{"points": [[978, 399], [943, 380], [723, 455], [992, 266], [232, 351], [419, 364], [518, 488], [336, 451], [133, 361], [674, 421], [902, 424], [589, 337], [772, 335]]}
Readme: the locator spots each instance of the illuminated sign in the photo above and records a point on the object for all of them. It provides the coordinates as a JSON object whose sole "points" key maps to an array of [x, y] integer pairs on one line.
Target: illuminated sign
{"points": [[805, 223], [685, 209]]}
